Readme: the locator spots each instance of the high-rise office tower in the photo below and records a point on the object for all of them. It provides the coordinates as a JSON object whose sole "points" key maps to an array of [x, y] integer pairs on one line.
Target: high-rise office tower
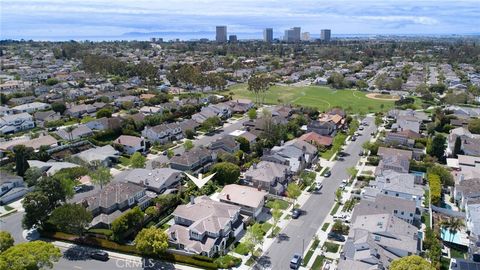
{"points": [[325, 35], [305, 36], [232, 38], [292, 34], [268, 35], [221, 34]]}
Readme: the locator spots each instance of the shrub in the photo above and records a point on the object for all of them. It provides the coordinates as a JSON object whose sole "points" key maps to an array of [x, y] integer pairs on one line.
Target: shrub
{"points": [[435, 189], [241, 249]]}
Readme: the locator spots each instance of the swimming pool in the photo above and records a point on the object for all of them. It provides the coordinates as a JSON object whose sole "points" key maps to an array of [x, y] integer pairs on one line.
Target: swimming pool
{"points": [[456, 238]]}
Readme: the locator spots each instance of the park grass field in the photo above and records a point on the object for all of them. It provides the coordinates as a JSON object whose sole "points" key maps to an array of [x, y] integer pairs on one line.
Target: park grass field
{"points": [[320, 97]]}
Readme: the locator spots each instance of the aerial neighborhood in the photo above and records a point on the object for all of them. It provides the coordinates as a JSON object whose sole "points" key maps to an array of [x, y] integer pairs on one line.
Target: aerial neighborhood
{"points": [[312, 160]]}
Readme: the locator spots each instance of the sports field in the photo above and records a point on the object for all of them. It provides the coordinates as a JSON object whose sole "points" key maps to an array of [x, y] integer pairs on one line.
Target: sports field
{"points": [[320, 97]]}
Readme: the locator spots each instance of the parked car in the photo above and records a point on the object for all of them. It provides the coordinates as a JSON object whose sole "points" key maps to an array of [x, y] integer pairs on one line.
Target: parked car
{"points": [[295, 261], [318, 186], [354, 138], [336, 236], [327, 174], [360, 153], [360, 128], [99, 255], [296, 213], [340, 159]]}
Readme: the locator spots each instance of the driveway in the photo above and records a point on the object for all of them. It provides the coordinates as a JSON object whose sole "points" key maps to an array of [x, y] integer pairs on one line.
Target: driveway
{"points": [[299, 232]]}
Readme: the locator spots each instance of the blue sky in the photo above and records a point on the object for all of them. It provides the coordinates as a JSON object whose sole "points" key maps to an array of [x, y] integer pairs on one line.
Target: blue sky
{"points": [[56, 19]]}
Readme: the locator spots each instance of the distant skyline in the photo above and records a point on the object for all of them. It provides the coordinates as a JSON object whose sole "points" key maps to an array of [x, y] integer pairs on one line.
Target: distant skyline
{"points": [[122, 19]]}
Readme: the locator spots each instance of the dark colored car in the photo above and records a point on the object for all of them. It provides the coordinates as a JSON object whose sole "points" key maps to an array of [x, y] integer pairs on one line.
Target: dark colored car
{"points": [[327, 174], [336, 237], [99, 255], [296, 213], [295, 261], [360, 153], [354, 138], [340, 159]]}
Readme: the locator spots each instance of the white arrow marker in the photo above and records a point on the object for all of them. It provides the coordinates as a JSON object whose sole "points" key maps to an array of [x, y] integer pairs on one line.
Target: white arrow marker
{"points": [[200, 181]]}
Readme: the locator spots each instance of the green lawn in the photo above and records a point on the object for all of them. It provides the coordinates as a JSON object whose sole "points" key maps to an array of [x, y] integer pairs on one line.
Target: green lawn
{"points": [[241, 249], [283, 204], [335, 209], [318, 263], [331, 247], [325, 226], [320, 97], [266, 226], [455, 253]]}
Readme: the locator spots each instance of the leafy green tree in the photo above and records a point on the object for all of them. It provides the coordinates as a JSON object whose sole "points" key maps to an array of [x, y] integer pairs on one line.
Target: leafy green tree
{"points": [[254, 237], [170, 153], [22, 154], [51, 81], [151, 241], [457, 148], [444, 174], [167, 201], [352, 171], [37, 208], [189, 134], [259, 84], [252, 114], [293, 191], [412, 262], [226, 173], [59, 107], [436, 148], [474, 126], [276, 214], [53, 189], [33, 255], [337, 80], [32, 175], [104, 113], [211, 123], [435, 188], [127, 221], [244, 144], [137, 160], [70, 218], [188, 145], [338, 194], [101, 176], [6, 241], [307, 177]]}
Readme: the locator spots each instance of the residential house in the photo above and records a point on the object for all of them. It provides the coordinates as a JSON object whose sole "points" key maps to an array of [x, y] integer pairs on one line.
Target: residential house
{"points": [[322, 128], [393, 159], [80, 110], [465, 190], [80, 131], [395, 184], [131, 144], [470, 143], [50, 167], [106, 155], [16, 123], [36, 143], [198, 159], [240, 105], [31, 107], [383, 204], [105, 123], [226, 144], [5, 111], [251, 200], [156, 180], [11, 188], [405, 138], [269, 176], [163, 133], [135, 101], [374, 241], [204, 226], [43, 117], [317, 139], [220, 110], [112, 200]]}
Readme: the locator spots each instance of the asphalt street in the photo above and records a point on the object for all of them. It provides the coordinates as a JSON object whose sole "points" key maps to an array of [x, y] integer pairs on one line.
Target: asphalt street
{"points": [[299, 232]]}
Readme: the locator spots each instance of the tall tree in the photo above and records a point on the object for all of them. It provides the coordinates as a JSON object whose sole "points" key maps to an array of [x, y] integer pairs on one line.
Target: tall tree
{"points": [[226, 173], [276, 215], [137, 160], [457, 148], [412, 262], [293, 191], [101, 176], [32, 175], [259, 84], [37, 208], [188, 145], [436, 147], [22, 154], [30, 256], [6, 241], [151, 241], [70, 218]]}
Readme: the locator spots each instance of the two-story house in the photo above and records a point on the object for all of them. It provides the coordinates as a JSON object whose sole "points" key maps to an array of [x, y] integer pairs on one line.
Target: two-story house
{"points": [[16, 123], [163, 133], [131, 144], [197, 159], [203, 226], [251, 200], [269, 176]]}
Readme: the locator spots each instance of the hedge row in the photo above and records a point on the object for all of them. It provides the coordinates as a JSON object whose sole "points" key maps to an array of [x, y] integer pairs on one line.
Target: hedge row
{"points": [[435, 188], [200, 261]]}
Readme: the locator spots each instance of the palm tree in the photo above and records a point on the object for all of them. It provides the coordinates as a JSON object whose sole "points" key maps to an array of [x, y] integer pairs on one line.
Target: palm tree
{"points": [[69, 130], [453, 225]]}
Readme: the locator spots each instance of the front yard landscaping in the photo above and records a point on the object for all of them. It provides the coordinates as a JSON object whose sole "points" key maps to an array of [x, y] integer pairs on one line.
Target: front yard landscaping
{"points": [[331, 247]]}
